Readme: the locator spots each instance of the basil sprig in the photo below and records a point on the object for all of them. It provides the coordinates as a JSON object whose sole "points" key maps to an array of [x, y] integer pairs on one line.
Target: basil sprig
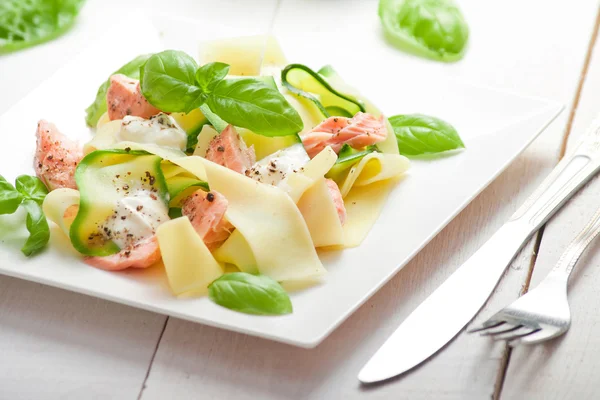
{"points": [[419, 134], [250, 294], [173, 82], [29, 193]]}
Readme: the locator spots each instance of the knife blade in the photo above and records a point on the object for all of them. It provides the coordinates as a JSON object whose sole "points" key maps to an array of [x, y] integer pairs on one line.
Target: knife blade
{"points": [[450, 307]]}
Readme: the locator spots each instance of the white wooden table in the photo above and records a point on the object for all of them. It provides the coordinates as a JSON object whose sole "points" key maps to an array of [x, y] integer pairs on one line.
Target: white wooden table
{"points": [[60, 345]]}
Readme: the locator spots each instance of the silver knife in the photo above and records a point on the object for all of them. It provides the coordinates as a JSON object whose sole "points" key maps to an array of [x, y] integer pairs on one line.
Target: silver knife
{"points": [[448, 309]]}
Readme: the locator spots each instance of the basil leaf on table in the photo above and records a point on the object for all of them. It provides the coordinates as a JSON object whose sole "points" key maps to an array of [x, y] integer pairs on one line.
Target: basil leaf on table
{"points": [[37, 225], [430, 28], [10, 198], [168, 82], [250, 294], [99, 107], [422, 134], [252, 104], [209, 75], [25, 23], [32, 188]]}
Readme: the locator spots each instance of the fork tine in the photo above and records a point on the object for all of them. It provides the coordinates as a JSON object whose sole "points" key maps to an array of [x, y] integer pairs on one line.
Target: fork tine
{"points": [[522, 331], [489, 324], [504, 328], [540, 335]]}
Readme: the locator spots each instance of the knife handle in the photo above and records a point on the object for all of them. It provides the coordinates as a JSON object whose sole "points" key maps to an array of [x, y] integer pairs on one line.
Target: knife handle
{"points": [[569, 175]]}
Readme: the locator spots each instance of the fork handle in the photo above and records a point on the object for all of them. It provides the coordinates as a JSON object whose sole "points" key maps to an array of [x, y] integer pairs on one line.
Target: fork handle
{"points": [[569, 258]]}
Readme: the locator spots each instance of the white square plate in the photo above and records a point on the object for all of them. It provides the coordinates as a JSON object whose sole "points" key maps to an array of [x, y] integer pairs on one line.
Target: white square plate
{"points": [[496, 126]]}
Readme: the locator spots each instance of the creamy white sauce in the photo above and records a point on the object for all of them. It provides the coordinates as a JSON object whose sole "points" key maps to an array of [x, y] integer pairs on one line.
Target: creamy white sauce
{"points": [[136, 218], [274, 168], [160, 129]]}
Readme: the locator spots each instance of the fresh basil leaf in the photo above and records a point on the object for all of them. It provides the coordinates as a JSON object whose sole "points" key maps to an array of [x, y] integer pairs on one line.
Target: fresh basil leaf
{"points": [[210, 74], [99, 106], [32, 188], [251, 103], [429, 28], [25, 23], [10, 198], [37, 225], [168, 82], [250, 294], [422, 134]]}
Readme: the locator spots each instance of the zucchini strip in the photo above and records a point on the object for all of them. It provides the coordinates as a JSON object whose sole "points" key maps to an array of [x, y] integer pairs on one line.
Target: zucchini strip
{"points": [[347, 158], [104, 178], [304, 82]]}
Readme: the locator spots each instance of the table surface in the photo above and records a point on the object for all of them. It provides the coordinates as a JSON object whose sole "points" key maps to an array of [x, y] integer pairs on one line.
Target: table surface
{"points": [[56, 344]]}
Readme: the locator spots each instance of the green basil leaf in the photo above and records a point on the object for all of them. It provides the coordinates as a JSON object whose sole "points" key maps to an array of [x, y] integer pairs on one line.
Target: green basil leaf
{"points": [[421, 134], [99, 107], [210, 74], [168, 82], [251, 103], [10, 198], [37, 225], [25, 23], [32, 188], [250, 294], [429, 28]]}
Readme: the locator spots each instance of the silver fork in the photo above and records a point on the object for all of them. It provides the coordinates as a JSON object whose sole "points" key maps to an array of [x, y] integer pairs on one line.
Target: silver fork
{"points": [[542, 313]]}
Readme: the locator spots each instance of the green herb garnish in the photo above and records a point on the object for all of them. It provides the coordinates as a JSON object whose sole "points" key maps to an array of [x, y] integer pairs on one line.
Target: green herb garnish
{"points": [[429, 28], [29, 193], [419, 134], [250, 294], [173, 82], [26, 23]]}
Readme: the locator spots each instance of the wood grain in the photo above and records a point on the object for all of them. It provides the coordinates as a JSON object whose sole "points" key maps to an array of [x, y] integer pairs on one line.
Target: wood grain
{"points": [[567, 367], [63, 345], [194, 360]]}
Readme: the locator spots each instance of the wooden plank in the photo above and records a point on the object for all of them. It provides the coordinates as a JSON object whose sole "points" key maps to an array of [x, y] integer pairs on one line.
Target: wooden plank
{"points": [[58, 344], [567, 368], [194, 360]]}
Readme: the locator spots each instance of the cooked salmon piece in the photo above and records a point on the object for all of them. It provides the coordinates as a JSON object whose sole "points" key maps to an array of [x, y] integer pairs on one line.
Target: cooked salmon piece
{"points": [[124, 97], [359, 131], [56, 157], [206, 211], [229, 150], [140, 255], [336, 195]]}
